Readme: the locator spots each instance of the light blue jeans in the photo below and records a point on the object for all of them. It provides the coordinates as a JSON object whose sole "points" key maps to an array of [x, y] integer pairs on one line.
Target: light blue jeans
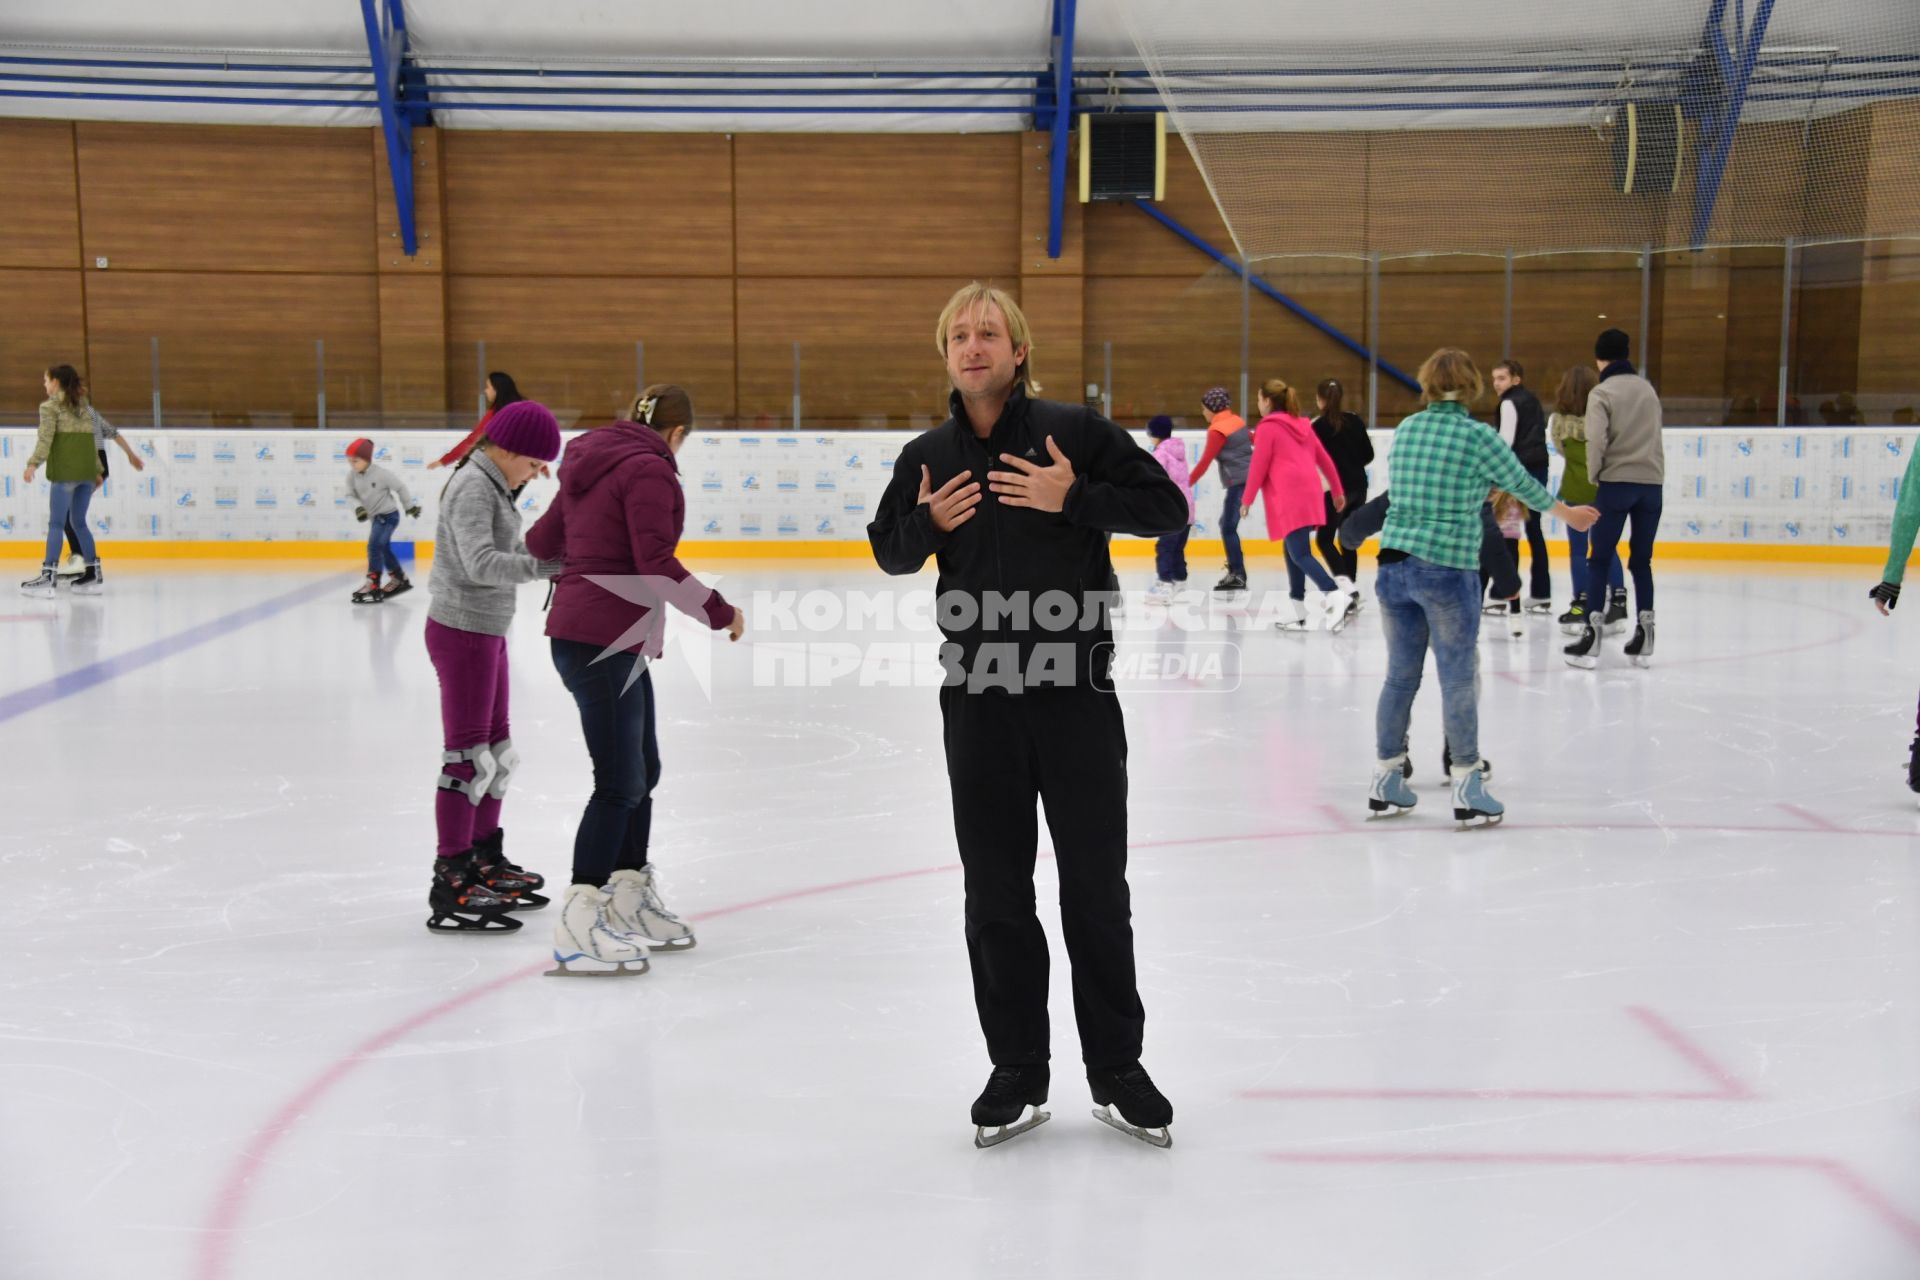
{"points": [[70, 498], [1424, 605]]}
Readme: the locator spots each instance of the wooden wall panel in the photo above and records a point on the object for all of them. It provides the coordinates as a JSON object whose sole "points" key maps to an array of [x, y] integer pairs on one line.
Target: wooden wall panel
{"points": [[1036, 213], [234, 348], [225, 198], [1174, 338], [1560, 304], [867, 350], [1889, 319], [429, 208], [872, 205], [570, 343], [41, 325], [1691, 361], [1055, 307], [413, 344], [1753, 335], [1122, 241], [39, 217], [588, 204], [1826, 351]]}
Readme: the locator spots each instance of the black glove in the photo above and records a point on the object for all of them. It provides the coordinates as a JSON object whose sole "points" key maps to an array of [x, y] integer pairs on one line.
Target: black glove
{"points": [[414, 511], [360, 514], [1887, 593]]}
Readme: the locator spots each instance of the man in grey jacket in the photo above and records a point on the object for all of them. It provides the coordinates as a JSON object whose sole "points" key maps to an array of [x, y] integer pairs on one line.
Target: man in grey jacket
{"points": [[1627, 459]]}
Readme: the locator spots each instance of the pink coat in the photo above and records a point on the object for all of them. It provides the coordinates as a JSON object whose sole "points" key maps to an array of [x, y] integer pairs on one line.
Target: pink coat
{"points": [[1172, 455], [1285, 455]]}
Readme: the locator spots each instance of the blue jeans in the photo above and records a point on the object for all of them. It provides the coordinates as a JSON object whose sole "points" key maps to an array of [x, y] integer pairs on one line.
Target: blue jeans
{"points": [[1301, 565], [1623, 504], [1424, 604], [70, 499], [1577, 563], [379, 551], [1230, 530], [618, 724], [1170, 556]]}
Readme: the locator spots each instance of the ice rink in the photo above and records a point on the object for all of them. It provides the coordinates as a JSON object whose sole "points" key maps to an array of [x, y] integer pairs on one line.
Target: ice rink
{"points": [[1661, 1024]]}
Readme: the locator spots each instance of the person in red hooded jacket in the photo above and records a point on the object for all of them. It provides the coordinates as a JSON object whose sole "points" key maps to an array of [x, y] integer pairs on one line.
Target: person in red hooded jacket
{"points": [[616, 526]]}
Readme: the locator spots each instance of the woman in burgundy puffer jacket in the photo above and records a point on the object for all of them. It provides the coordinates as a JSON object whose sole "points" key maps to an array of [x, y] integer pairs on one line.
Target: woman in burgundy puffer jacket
{"points": [[616, 525]]}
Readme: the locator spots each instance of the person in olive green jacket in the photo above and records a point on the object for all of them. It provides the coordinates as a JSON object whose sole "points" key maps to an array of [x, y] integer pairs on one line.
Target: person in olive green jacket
{"points": [[65, 448], [1567, 428]]}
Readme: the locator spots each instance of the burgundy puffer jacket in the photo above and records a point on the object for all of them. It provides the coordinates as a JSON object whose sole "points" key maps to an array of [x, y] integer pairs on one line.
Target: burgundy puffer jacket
{"points": [[618, 515]]}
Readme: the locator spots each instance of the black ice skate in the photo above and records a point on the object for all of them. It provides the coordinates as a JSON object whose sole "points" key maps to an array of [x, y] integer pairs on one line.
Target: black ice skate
{"points": [[1913, 767], [91, 582], [1616, 611], [1143, 1108], [1002, 1105], [1232, 582], [505, 878], [1574, 620], [370, 592], [1640, 648], [462, 903], [1585, 652], [1539, 605], [44, 587], [397, 584]]}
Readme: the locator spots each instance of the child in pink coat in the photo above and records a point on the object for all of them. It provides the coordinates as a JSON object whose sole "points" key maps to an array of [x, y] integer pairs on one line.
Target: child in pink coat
{"points": [[1170, 551], [1286, 455]]}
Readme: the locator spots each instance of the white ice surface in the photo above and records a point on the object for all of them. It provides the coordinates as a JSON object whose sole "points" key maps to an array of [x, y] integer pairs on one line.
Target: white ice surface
{"points": [[1661, 1025]]}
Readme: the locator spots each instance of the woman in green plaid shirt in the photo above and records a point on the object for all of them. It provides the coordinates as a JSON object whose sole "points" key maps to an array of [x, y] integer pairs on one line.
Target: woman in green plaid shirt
{"points": [[1442, 465]]}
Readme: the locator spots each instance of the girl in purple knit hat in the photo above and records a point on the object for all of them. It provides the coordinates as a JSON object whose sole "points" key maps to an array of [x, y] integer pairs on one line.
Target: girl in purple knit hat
{"points": [[479, 562]]}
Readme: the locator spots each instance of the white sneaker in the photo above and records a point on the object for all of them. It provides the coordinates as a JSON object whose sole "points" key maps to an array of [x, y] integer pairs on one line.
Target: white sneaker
{"points": [[1161, 591], [635, 911], [585, 944]]}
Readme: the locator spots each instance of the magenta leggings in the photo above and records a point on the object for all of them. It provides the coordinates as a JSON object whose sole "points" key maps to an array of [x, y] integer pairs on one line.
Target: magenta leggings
{"points": [[473, 712]]}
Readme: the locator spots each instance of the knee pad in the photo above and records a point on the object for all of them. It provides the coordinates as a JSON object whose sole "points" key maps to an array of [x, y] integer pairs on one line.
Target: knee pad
{"points": [[505, 760], [485, 768]]}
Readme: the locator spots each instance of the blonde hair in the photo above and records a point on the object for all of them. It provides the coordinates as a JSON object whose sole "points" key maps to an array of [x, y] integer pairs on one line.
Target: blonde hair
{"points": [[971, 297], [1285, 399], [1450, 374]]}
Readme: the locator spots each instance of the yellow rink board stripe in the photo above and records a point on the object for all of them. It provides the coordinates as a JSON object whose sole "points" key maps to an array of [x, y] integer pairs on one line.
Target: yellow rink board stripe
{"points": [[1205, 551]]}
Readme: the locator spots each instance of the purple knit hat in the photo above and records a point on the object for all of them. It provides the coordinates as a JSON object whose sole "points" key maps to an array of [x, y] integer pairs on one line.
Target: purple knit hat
{"points": [[1216, 399], [526, 427]]}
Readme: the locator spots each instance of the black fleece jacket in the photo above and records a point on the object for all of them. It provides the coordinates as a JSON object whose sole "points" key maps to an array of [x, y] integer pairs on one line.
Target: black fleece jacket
{"points": [[1010, 557]]}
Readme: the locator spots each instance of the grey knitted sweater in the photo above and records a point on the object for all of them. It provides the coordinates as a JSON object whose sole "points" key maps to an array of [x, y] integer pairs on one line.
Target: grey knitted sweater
{"points": [[479, 556]]}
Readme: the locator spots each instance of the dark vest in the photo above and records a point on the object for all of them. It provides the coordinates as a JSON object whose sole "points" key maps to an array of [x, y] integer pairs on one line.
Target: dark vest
{"points": [[1530, 437]]}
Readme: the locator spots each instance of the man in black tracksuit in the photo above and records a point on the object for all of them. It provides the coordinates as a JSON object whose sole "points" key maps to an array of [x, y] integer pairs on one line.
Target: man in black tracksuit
{"points": [[1523, 425], [1015, 498]]}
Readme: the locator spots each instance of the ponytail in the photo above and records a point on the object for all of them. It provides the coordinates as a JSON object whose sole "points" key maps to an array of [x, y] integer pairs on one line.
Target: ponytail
{"points": [[1284, 398], [1331, 395]]}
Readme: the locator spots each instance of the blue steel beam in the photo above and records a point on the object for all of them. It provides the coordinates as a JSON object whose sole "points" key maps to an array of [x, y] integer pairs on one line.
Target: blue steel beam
{"points": [[1064, 12], [1722, 118], [386, 47], [1397, 374]]}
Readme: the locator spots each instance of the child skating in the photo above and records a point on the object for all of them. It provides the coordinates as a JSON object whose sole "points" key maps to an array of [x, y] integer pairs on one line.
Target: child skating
{"points": [[479, 563], [379, 497], [1170, 551]]}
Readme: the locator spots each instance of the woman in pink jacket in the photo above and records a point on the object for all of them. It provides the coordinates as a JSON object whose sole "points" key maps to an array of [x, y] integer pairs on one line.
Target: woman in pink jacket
{"points": [[1286, 455]]}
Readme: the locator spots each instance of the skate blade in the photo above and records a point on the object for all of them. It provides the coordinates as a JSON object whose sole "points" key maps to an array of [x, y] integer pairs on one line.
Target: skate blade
{"points": [[1381, 810], [1469, 820], [671, 944], [472, 926], [527, 900], [1152, 1137], [614, 969], [983, 1139], [1587, 663], [1641, 661]]}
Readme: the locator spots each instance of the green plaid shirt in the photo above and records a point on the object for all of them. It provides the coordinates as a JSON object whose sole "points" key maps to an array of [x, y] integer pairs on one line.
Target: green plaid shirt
{"points": [[1442, 465]]}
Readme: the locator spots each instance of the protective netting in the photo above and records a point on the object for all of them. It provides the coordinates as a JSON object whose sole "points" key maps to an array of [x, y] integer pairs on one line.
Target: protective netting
{"points": [[1488, 126]]}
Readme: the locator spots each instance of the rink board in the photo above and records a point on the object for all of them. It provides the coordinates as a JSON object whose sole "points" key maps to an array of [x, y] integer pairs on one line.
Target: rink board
{"points": [[1731, 493]]}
